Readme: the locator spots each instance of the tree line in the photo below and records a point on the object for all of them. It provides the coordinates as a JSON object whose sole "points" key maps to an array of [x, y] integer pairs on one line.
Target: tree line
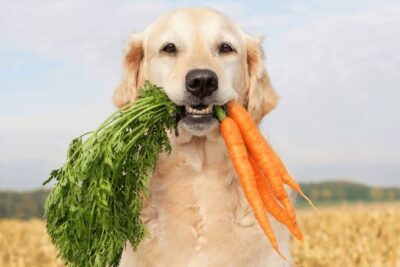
{"points": [[30, 204], [343, 191], [22, 205]]}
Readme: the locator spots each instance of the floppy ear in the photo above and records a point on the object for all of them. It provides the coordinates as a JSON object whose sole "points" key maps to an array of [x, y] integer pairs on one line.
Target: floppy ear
{"points": [[261, 97], [131, 78]]}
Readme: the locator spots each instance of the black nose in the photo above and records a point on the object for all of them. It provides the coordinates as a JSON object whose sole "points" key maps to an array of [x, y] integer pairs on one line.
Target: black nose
{"points": [[201, 83]]}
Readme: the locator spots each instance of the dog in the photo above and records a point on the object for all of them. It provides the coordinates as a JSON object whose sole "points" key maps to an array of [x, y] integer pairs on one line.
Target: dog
{"points": [[196, 213]]}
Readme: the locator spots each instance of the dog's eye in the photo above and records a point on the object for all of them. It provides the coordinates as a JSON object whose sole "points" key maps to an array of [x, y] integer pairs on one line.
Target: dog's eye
{"points": [[225, 48], [169, 48]]}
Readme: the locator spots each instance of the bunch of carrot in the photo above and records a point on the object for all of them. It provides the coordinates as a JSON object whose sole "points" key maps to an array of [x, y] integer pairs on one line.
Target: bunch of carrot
{"points": [[261, 172]]}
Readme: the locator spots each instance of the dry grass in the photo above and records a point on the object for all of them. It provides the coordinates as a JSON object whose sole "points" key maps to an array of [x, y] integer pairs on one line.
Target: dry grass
{"points": [[360, 235], [341, 236], [25, 243]]}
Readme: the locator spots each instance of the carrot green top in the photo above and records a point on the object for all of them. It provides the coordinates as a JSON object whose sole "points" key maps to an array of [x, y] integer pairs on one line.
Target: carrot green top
{"points": [[95, 204], [220, 112]]}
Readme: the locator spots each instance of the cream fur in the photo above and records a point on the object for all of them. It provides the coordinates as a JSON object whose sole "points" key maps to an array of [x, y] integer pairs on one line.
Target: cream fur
{"points": [[196, 213]]}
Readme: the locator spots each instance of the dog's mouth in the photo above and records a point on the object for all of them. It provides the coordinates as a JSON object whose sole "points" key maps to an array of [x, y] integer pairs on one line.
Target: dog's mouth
{"points": [[198, 118], [198, 110]]}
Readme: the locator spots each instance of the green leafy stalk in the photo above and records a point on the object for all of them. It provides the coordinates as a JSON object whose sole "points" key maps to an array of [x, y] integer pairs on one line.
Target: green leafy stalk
{"points": [[95, 205], [220, 113]]}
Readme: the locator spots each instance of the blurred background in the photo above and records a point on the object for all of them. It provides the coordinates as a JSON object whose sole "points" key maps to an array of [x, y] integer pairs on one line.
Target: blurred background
{"points": [[335, 65]]}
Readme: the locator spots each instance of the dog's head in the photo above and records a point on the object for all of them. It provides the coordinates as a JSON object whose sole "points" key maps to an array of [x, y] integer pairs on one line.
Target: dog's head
{"points": [[201, 59]]}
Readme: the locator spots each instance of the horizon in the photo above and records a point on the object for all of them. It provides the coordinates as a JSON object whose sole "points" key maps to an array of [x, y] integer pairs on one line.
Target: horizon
{"points": [[334, 66], [302, 183]]}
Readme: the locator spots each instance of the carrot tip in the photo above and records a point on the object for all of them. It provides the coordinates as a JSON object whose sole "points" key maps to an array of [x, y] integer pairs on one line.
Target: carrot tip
{"points": [[299, 236], [280, 253], [309, 202]]}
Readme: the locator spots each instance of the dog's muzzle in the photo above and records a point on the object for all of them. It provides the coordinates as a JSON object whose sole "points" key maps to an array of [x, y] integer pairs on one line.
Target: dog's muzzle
{"points": [[198, 115]]}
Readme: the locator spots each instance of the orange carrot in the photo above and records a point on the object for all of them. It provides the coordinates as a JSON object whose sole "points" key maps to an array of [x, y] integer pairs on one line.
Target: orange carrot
{"points": [[236, 108], [287, 179], [258, 149], [271, 204], [239, 157]]}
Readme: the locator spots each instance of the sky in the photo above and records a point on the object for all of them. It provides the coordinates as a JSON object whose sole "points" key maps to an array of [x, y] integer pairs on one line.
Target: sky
{"points": [[335, 65]]}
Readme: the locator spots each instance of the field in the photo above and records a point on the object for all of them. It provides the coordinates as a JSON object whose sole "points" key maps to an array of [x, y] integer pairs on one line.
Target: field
{"points": [[354, 235], [359, 235]]}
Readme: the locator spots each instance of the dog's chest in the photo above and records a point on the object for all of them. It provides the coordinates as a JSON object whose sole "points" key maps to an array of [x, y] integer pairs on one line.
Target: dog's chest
{"points": [[197, 216]]}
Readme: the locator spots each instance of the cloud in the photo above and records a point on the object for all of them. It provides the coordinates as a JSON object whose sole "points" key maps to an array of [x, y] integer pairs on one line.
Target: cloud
{"points": [[338, 80], [87, 33], [90, 33]]}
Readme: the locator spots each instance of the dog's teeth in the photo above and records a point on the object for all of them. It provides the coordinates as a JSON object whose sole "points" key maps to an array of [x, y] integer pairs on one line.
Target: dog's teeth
{"points": [[206, 110]]}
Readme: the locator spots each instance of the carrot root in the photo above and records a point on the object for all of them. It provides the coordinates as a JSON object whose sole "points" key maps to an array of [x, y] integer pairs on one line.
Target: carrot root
{"points": [[239, 157]]}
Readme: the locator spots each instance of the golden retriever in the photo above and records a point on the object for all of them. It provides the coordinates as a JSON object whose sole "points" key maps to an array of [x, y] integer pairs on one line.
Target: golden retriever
{"points": [[196, 213]]}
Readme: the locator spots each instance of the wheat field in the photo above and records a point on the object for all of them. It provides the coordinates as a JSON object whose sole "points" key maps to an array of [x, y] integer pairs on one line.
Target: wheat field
{"points": [[341, 236]]}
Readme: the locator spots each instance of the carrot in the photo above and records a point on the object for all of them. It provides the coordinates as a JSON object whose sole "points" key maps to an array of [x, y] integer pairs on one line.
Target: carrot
{"points": [[287, 179], [239, 157], [235, 108], [261, 153], [271, 204]]}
